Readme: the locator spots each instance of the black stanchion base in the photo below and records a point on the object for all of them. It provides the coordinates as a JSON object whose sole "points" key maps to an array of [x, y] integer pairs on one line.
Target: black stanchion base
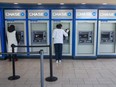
{"points": [[51, 79], [13, 77]]}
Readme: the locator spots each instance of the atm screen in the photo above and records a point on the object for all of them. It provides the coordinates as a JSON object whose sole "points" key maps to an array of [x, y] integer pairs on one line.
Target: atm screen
{"points": [[39, 36], [83, 35], [105, 35]]}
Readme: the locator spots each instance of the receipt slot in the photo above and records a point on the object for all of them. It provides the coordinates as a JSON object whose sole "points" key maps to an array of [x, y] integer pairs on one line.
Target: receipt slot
{"points": [[20, 27], [39, 35], [66, 25]]}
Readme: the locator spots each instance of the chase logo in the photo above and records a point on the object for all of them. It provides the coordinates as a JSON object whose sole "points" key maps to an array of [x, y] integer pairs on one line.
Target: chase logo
{"points": [[89, 14], [15, 14], [94, 13], [12, 14], [45, 14], [114, 14], [22, 14], [69, 13], [108, 14]]}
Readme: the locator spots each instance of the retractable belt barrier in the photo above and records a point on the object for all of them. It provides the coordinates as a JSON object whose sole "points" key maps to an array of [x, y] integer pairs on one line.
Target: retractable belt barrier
{"points": [[51, 78]]}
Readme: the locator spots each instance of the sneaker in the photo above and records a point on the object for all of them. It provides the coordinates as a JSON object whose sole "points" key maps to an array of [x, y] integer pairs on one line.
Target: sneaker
{"points": [[16, 59], [56, 61], [60, 61], [9, 59]]}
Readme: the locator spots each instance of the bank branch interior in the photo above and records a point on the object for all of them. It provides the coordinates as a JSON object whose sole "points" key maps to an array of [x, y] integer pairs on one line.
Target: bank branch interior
{"points": [[88, 52]]}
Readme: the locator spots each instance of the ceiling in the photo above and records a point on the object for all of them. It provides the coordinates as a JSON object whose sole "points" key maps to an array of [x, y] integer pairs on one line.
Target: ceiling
{"points": [[59, 1]]}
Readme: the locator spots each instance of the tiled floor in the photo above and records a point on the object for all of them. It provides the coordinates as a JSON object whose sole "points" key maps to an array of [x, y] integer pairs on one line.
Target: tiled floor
{"points": [[70, 73]]}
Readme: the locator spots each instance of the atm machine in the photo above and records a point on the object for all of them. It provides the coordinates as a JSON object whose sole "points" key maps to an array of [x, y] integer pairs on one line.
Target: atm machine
{"points": [[38, 22], [17, 18], [107, 33], [59, 16], [86, 31]]}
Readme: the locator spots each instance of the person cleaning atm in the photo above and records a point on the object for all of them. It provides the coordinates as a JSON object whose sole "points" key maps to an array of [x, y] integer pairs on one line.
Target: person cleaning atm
{"points": [[12, 38]]}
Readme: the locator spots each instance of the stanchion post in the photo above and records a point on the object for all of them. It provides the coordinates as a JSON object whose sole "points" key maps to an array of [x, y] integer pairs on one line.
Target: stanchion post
{"points": [[41, 67], [14, 77], [51, 78]]}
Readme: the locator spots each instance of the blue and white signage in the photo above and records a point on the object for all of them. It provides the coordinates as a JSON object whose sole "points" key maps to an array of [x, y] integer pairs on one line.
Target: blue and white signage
{"points": [[86, 14], [62, 14], [15, 14], [107, 14], [38, 14]]}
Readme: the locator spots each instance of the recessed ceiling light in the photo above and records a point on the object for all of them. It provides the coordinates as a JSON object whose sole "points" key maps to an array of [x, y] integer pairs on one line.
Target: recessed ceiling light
{"points": [[39, 3], [15, 3], [61, 3], [104, 3], [83, 3]]}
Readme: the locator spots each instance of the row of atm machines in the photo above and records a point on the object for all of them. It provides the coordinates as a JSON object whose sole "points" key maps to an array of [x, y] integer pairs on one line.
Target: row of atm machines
{"points": [[38, 30], [86, 38]]}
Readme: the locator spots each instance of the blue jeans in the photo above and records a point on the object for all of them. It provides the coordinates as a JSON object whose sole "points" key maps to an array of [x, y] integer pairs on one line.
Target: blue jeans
{"points": [[58, 51]]}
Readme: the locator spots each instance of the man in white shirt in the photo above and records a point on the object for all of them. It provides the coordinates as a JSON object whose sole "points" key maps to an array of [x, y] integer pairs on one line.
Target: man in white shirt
{"points": [[58, 34]]}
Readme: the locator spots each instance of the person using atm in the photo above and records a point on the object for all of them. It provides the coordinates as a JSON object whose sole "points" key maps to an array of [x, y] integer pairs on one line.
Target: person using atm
{"points": [[57, 36], [12, 38]]}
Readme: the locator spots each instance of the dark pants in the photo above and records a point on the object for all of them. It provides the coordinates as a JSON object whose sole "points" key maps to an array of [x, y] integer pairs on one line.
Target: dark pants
{"points": [[10, 57], [58, 51]]}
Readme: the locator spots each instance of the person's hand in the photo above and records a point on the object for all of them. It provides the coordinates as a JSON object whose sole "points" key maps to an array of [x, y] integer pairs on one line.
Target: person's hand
{"points": [[67, 30]]}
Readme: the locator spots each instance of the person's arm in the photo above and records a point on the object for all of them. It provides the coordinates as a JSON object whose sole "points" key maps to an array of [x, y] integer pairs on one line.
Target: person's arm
{"points": [[65, 34], [17, 38]]}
